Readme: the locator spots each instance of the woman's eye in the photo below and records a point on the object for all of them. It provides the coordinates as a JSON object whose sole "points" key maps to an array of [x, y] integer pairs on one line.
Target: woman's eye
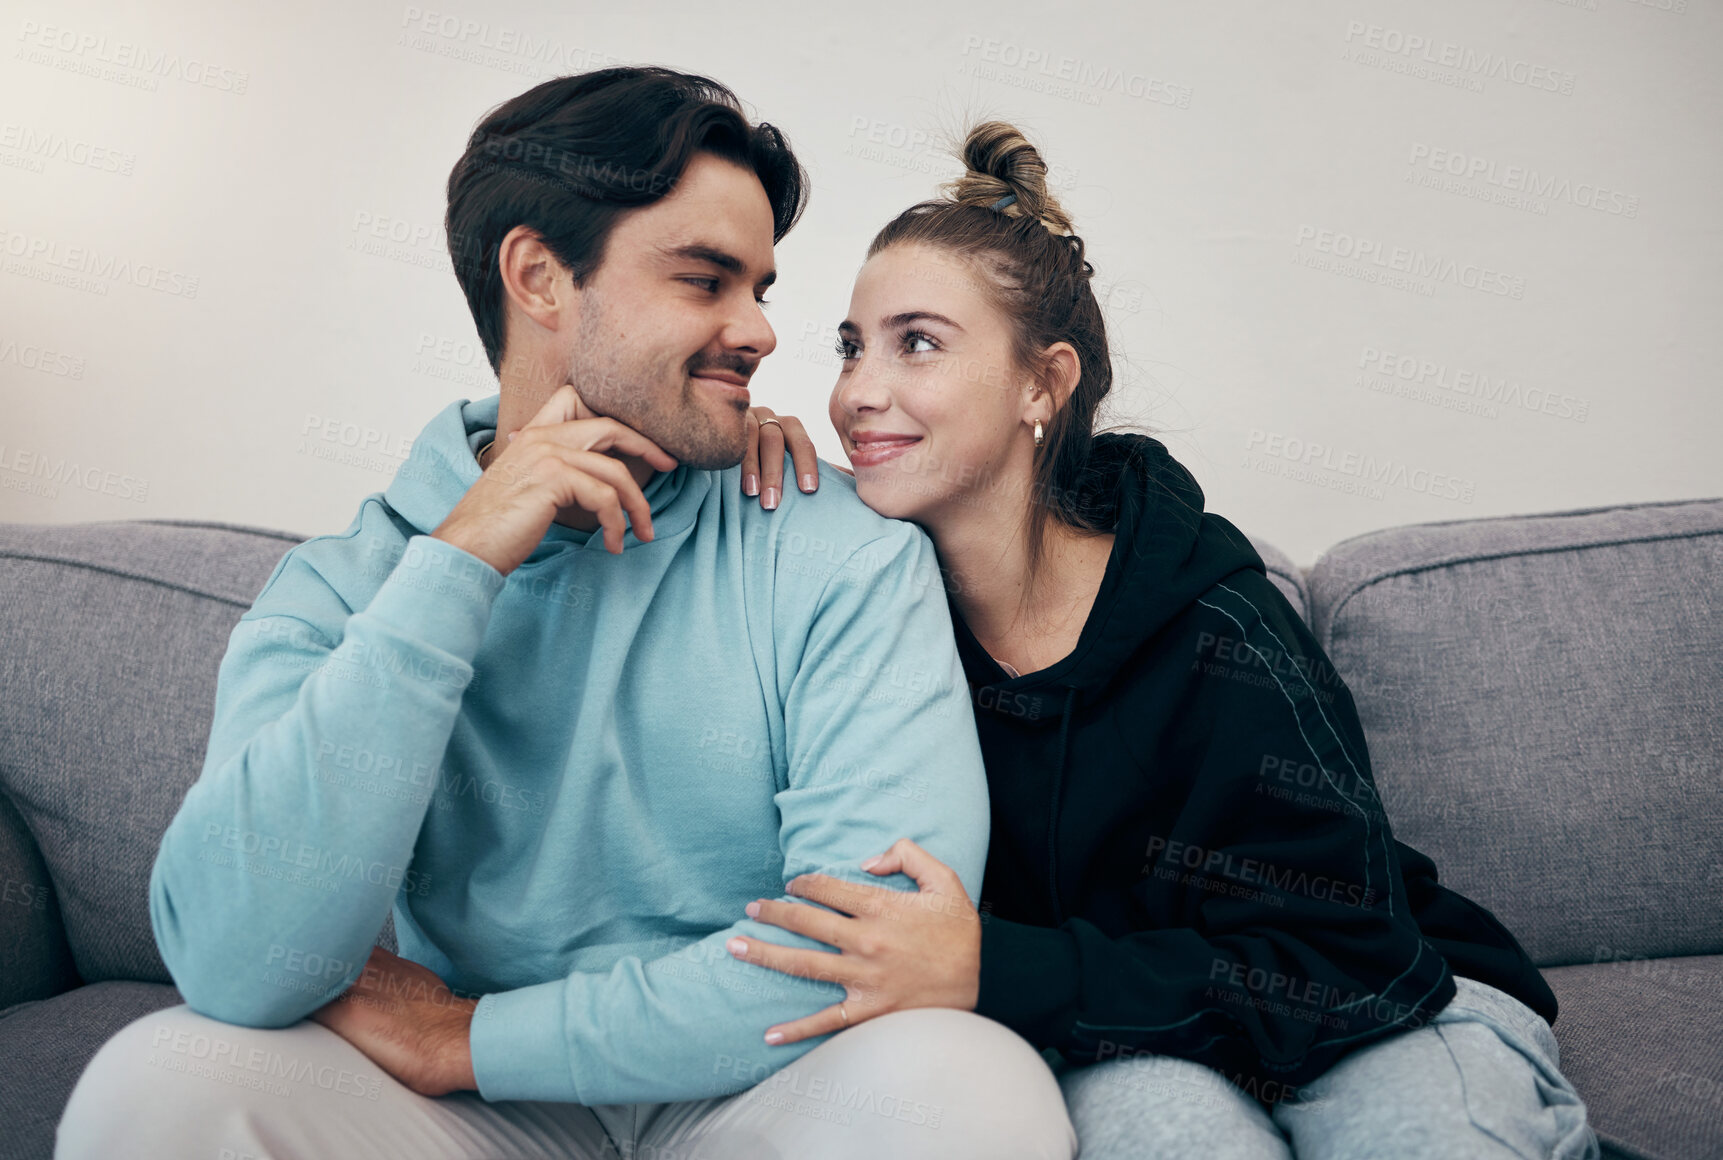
{"points": [[845, 349], [915, 336]]}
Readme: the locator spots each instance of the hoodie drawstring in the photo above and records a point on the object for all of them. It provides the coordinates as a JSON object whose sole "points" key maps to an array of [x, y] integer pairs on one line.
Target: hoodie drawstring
{"points": [[1053, 811]]}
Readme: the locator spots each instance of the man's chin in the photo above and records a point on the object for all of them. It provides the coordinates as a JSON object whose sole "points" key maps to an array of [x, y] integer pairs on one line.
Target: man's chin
{"points": [[716, 449]]}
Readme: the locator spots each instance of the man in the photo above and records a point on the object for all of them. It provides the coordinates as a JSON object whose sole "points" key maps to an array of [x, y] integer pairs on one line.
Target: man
{"points": [[563, 701]]}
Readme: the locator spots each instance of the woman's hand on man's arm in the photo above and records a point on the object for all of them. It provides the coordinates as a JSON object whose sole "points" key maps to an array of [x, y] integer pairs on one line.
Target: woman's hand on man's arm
{"points": [[896, 950]]}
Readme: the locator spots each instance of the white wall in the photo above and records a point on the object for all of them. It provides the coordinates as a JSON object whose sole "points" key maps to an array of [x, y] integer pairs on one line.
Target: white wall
{"points": [[190, 297]]}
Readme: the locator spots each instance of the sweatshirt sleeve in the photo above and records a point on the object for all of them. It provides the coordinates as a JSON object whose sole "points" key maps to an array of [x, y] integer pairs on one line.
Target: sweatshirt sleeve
{"points": [[1273, 932], [295, 840], [881, 745]]}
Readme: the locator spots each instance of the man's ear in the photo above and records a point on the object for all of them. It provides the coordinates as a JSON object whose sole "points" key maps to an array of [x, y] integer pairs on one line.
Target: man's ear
{"points": [[534, 281]]}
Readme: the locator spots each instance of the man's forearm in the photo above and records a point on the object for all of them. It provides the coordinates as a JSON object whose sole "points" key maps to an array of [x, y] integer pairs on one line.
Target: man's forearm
{"points": [[282, 833], [409, 1023], [685, 1025]]}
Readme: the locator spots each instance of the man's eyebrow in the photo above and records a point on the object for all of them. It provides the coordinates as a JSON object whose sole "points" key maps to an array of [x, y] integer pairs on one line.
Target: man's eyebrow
{"points": [[704, 252], [892, 321]]}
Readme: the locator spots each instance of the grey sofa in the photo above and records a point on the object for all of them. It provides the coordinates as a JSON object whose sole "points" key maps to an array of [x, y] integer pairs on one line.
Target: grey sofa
{"points": [[1541, 696]]}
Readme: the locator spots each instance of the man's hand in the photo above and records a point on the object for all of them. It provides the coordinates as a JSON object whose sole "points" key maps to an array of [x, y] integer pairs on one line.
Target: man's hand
{"points": [[408, 1022], [556, 461]]}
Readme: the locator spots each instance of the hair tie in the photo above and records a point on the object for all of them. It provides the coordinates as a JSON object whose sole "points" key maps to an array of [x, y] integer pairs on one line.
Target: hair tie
{"points": [[1004, 201]]}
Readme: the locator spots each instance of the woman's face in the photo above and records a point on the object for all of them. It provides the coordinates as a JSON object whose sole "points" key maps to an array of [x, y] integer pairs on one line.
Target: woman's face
{"points": [[927, 404]]}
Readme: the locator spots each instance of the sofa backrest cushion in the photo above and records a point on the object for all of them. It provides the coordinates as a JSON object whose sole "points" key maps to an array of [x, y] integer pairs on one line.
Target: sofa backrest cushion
{"points": [[1540, 697], [111, 635]]}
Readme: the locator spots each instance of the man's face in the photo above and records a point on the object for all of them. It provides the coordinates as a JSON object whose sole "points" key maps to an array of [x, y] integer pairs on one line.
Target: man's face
{"points": [[670, 325]]}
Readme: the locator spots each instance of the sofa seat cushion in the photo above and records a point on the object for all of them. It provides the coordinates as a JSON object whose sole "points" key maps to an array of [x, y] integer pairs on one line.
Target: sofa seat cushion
{"points": [[44, 1045], [1642, 1042]]}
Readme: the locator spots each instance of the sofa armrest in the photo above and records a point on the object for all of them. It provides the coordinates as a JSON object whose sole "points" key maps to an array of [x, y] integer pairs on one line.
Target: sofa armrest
{"points": [[35, 959]]}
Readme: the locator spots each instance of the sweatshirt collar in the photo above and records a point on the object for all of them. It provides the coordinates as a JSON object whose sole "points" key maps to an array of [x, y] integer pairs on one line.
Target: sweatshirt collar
{"points": [[1167, 551], [443, 464]]}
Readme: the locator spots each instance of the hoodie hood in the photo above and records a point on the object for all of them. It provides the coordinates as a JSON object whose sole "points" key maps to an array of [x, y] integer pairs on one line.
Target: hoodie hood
{"points": [[443, 464], [1167, 551]]}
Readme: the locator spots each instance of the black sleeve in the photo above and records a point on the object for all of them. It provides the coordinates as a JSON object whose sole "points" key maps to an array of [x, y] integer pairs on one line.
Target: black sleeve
{"points": [[1276, 934], [1471, 937]]}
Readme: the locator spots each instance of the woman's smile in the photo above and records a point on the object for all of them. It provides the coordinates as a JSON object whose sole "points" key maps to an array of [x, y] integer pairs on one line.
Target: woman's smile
{"points": [[872, 450]]}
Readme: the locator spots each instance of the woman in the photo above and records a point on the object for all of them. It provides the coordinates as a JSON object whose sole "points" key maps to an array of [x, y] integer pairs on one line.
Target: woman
{"points": [[1193, 903]]}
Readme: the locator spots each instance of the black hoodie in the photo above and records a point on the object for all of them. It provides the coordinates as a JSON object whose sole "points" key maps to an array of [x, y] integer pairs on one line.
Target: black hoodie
{"points": [[1188, 856]]}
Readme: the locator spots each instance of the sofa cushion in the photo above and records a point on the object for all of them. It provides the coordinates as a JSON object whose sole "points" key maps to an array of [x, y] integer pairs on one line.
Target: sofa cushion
{"points": [[111, 635], [1642, 1042], [1540, 696], [44, 1046]]}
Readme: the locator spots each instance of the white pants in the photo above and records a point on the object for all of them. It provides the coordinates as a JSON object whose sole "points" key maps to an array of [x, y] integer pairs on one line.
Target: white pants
{"points": [[932, 1082]]}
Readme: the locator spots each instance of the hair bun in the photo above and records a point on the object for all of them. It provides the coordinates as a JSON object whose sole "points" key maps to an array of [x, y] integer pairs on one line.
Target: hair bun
{"points": [[1000, 161]]}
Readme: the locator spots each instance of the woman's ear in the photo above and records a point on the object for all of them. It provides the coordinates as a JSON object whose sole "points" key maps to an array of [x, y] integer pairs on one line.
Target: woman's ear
{"points": [[1060, 371]]}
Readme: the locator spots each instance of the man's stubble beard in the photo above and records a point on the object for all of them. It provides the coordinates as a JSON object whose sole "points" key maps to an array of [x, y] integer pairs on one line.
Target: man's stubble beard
{"points": [[658, 400]]}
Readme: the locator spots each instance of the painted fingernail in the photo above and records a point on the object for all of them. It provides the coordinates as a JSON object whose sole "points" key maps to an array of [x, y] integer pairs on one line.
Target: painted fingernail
{"points": [[737, 946], [751, 484], [752, 910], [807, 483], [771, 498], [774, 1037]]}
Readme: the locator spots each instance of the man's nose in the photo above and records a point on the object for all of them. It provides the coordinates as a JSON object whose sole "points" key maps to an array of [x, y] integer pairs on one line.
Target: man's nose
{"points": [[750, 333]]}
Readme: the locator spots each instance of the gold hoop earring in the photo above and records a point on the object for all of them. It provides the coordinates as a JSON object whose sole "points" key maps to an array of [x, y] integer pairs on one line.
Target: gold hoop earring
{"points": [[1039, 437]]}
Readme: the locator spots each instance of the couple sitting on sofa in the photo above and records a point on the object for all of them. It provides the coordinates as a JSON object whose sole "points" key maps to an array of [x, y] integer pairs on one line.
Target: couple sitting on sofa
{"points": [[986, 802]]}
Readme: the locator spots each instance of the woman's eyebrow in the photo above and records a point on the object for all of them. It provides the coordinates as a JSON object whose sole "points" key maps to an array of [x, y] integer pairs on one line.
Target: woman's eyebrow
{"points": [[893, 321], [704, 252]]}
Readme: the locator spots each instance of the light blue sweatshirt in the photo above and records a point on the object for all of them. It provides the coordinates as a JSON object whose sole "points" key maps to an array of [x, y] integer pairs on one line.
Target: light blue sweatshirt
{"points": [[568, 782]]}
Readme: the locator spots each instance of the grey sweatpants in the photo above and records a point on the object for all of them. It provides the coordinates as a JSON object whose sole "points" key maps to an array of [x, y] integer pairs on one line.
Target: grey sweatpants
{"points": [[1481, 1081], [932, 1082]]}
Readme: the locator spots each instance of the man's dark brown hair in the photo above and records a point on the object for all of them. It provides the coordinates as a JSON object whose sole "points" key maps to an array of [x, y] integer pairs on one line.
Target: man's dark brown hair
{"points": [[567, 157]]}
